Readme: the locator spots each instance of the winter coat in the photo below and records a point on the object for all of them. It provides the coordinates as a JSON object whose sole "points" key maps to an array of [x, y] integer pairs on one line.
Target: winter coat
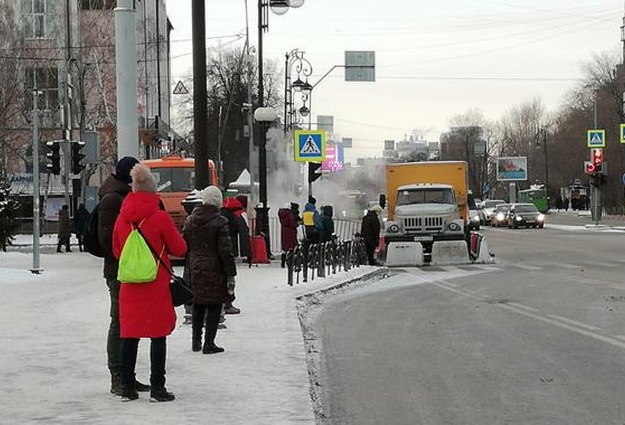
{"points": [[327, 222], [65, 226], [288, 229], [370, 228], [210, 255], [111, 195], [146, 309], [312, 223], [80, 219]]}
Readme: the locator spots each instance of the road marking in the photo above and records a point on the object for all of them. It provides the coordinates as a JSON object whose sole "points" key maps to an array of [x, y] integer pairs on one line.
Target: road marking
{"points": [[609, 340], [620, 337], [599, 264], [523, 306], [568, 266], [527, 267], [575, 322]]}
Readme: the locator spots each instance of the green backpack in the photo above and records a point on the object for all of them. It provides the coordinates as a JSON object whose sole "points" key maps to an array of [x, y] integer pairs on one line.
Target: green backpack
{"points": [[136, 262]]}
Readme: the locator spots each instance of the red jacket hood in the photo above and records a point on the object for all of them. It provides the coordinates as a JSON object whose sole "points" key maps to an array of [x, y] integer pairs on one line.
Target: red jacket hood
{"points": [[232, 204], [139, 205]]}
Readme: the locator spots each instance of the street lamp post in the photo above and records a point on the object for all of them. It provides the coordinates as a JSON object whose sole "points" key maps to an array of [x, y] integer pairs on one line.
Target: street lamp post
{"points": [[294, 60], [541, 136], [262, 115]]}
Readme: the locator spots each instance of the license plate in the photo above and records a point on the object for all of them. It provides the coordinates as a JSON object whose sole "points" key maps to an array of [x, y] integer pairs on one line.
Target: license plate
{"points": [[422, 238], [530, 220]]}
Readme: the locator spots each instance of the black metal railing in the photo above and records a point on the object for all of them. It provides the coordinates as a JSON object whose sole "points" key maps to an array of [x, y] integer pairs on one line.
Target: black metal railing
{"points": [[324, 259]]}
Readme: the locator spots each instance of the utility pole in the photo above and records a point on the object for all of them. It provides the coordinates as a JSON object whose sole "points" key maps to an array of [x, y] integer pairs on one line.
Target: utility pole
{"points": [[36, 208], [200, 109]]}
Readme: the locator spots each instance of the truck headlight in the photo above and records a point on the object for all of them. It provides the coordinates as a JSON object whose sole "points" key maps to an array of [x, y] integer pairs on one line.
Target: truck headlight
{"points": [[453, 226], [393, 228]]}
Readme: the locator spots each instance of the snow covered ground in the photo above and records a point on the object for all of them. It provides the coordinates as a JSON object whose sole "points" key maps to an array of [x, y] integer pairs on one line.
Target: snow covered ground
{"points": [[53, 350]]}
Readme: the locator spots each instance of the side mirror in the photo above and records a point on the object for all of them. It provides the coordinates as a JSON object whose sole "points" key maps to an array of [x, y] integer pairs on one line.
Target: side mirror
{"points": [[382, 200]]}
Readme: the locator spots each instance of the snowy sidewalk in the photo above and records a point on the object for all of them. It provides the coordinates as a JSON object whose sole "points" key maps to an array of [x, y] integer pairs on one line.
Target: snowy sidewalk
{"points": [[53, 351]]}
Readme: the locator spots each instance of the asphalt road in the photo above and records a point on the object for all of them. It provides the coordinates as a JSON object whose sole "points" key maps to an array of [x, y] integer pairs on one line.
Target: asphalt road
{"points": [[537, 338]]}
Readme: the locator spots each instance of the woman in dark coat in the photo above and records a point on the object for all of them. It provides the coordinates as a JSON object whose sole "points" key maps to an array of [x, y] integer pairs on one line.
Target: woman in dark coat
{"points": [[328, 223], [370, 231], [65, 230], [212, 266]]}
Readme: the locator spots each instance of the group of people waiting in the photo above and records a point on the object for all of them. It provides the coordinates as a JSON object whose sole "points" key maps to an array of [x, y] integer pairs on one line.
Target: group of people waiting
{"points": [[128, 200], [66, 229], [319, 227]]}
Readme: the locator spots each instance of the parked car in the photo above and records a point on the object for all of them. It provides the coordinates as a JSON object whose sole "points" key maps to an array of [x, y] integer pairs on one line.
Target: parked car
{"points": [[488, 207], [525, 215], [499, 217]]}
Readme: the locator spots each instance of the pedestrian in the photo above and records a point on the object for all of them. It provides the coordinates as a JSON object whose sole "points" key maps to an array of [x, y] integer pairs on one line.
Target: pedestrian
{"points": [[80, 223], [288, 231], [370, 231], [65, 230], [327, 223], [111, 194], [230, 205], [212, 266], [146, 309], [312, 222], [243, 226], [189, 203]]}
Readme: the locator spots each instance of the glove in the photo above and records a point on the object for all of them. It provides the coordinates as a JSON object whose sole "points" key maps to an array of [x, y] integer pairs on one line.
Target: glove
{"points": [[231, 285]]}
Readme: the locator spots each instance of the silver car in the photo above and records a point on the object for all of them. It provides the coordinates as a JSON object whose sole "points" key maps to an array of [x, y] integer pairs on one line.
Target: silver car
{"points": [[488, 208]]}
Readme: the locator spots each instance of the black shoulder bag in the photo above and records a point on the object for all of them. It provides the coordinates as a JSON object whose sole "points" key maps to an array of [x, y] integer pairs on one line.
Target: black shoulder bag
{"points": [[181, 292]]}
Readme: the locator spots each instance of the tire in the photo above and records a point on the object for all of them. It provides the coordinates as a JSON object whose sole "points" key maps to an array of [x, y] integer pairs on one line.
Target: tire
{"points": [[541, 226]]}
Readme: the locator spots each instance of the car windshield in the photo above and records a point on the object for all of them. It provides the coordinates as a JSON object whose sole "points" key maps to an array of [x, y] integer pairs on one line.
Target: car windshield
{"points": [[525, 208], [502, 208], [175, 179], [426, 196]]}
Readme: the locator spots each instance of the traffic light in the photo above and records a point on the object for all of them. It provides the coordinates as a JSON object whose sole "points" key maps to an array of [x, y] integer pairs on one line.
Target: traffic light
{"points": [[54, 157], [314, 171], [77, 157], [597, 160], [590, 167]]}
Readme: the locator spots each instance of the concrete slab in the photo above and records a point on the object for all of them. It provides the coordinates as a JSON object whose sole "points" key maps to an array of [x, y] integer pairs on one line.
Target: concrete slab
{"points": [[449, 253], [407, 254]]}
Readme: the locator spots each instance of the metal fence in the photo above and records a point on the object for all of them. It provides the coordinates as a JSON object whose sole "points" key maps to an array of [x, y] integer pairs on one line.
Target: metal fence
{"points": [[324, 259]]}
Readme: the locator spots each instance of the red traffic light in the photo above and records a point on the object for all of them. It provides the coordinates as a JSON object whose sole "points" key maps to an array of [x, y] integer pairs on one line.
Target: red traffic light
{"points": [[597, 157]]}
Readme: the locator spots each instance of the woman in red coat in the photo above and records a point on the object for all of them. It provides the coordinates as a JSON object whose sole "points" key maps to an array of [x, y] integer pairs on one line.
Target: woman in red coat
{"points": [[146, 309], [288, 234]]}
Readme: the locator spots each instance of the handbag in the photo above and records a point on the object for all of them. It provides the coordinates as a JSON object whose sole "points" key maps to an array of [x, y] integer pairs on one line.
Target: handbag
{"points": [[180, 289]]}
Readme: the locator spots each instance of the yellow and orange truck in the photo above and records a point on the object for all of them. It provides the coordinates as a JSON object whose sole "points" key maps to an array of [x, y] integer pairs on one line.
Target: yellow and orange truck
{"points": [[427, 202]]}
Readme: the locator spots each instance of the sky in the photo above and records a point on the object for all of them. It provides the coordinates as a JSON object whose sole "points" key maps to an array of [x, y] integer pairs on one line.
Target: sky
{"points": [[434, 60]]}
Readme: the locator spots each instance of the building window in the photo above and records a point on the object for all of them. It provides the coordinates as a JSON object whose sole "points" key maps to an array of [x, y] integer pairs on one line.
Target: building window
{"points": [[98, 4], [47, 82], [34, 12]]}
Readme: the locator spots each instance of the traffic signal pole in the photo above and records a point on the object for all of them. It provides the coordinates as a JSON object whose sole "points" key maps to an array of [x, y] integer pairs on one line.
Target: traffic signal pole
{"points": [[36, 269]]}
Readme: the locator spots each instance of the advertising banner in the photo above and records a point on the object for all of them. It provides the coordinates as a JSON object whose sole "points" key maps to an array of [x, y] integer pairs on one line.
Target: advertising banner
{"points": [[512, 168]]}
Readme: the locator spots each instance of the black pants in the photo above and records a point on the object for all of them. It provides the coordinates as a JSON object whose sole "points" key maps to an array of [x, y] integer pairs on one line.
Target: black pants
{"points": [[158, 353], [63, 241], [210, 313], [113, 342], [370, 247]]}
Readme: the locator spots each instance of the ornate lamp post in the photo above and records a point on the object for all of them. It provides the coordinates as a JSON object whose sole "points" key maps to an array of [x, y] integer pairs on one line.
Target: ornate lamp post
{"points": [[279, 7], [294, 60]]}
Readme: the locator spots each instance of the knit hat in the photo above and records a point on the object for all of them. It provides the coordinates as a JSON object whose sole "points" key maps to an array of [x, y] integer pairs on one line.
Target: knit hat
{"points": [[376, 209], [211, 195], [312, 200], [142, 179], [122, 170]]}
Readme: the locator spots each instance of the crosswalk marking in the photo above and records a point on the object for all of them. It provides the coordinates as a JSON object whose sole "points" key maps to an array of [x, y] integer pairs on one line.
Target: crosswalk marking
{"points": [[527, 267]]}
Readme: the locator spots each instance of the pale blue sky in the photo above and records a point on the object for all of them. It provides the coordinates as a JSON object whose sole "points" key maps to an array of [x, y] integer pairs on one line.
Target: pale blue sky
{"points": [[434, 59]]}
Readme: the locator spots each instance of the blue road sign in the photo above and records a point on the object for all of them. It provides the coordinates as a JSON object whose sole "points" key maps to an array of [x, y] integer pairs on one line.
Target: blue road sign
{"points": [[310, 145], [595, 138]]}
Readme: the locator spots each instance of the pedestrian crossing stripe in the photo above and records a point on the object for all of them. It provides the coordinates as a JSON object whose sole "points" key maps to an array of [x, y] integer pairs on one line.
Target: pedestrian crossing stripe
{"points": [[310, 145], [595, 138]]}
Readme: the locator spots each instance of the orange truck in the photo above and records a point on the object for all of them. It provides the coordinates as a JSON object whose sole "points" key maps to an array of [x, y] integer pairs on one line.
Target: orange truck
{"points": [[176, 178], [427, 201]]}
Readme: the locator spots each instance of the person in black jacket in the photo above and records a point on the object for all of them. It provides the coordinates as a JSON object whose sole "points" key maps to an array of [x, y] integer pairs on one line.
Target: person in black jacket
{"points": [[80, 223], [328, 223], [370, 231]]}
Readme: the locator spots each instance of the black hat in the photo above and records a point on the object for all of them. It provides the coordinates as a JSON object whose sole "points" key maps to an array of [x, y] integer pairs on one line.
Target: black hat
{"points": [[294, 206], [122, 170], [312, 200]]}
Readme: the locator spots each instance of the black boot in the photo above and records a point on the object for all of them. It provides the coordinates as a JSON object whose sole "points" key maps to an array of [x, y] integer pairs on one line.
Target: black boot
{"points": [[161, 395], [283, 260], [116, 385], [212, 323], [129, 392]]}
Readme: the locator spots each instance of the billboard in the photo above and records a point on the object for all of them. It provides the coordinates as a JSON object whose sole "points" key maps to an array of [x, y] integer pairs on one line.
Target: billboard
{"points": [[326, 123], [512, 168], [334, 158]]}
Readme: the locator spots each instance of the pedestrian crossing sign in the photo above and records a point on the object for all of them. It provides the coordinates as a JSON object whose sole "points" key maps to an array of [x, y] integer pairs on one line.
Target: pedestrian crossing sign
{"points": [[595, 138], [310, 145]]}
